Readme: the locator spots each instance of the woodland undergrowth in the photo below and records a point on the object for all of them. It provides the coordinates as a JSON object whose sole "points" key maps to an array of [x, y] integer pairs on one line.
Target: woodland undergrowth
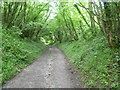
{"points": [[17, 53], [97, 62]]}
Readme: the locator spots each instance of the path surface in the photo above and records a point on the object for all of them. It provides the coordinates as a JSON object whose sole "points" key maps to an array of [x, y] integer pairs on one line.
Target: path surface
{"points": [[51, 70]]}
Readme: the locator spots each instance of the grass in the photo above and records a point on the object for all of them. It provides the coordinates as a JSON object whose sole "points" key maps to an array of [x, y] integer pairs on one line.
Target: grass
{"points": [[95, 60], [17, 53]]}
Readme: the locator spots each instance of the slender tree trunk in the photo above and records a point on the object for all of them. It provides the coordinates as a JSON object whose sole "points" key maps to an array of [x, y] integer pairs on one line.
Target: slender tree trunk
{"points": [[92, 28]]}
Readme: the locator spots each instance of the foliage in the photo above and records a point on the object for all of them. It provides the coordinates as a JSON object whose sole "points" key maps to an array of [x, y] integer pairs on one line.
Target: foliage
{"points": [[0, 56], [86, 20], [97, 63], [27, 17], [17, 53], [88, 29]]}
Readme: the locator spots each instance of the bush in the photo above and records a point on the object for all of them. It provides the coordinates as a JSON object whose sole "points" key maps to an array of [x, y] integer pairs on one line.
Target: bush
{"points": [[96, 61], [17, 53]]}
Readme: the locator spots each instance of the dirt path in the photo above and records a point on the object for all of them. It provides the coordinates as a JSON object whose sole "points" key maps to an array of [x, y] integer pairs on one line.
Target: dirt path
{"points": [[51, 70]]}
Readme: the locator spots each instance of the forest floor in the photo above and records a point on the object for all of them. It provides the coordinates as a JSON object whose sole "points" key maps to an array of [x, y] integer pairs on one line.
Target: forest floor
{"points": [[51, 70]]}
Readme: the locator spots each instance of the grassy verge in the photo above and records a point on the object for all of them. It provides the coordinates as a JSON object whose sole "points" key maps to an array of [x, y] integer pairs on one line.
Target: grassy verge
{"points": [[17, 54], [95, 60]]}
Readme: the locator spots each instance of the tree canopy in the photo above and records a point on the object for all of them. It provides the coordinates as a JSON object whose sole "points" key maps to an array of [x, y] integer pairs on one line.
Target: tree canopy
{"points": [[55, 23]]}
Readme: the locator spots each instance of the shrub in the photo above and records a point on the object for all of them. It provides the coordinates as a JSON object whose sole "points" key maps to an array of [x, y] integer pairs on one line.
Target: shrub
{"points": [[17, 53]]}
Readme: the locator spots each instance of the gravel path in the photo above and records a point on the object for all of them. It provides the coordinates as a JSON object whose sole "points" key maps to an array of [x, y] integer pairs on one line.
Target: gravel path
{"points": [[51, 70]]}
